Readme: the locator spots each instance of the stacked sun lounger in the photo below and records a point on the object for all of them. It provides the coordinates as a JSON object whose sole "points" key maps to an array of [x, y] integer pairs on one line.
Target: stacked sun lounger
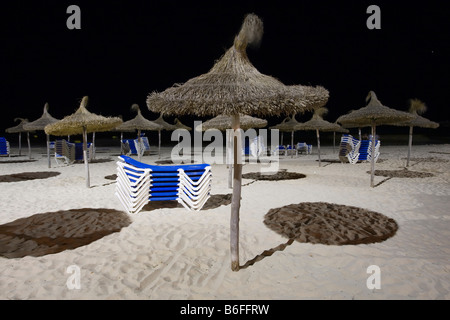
{"points": [[4, 147], [138, 183], [349, 149], [64, 152]]}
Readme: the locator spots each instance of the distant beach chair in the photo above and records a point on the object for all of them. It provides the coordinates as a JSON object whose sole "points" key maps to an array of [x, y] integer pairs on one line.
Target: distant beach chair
{"points": [[291, 150], [138, 183], [4, 147], [144, 148], [349, 149], [257, 147], [131, 146], [304, 147], [280, 150], [64, 152], [79, 151], [365, 150]]}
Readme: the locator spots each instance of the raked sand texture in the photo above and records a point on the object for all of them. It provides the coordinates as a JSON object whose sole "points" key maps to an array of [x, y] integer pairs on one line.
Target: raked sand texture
{"points": [[52, 225]]}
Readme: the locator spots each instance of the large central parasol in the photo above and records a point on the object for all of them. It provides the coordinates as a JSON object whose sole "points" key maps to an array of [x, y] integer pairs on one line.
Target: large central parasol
{"points": [[232, 87], [83, 122], [373, 114]]}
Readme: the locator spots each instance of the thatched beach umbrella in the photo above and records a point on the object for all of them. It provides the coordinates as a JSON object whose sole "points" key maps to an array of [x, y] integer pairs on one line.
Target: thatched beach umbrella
{"points": [[233, 86], [374, 114], [287, 125], [139, 123], [83, 122], [164, 126], [19, 129], [317, 123], [416, 108], [40, 124], [224, 122]]}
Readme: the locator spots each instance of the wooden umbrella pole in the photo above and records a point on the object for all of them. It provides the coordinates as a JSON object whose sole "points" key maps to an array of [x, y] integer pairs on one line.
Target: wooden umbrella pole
{"points": [[20, 143], [318, 145], [139, 145], [236, 199], [230, 166], [86, 164], [159, 143], [372, 160], [292, 144], [409, 144], [48, 151], [29, 145]]}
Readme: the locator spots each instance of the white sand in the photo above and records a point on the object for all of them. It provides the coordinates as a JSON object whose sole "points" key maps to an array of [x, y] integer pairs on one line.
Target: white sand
{"points": [[171, 253]]}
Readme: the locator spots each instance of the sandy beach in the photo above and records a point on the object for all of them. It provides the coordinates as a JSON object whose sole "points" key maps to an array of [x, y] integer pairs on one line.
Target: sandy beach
{"points": [[52, 226]]}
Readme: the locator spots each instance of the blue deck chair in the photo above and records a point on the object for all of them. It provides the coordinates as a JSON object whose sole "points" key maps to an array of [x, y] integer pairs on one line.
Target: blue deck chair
{"points": [[79, 151], [304, 147], [4, 147], [138, 183]]}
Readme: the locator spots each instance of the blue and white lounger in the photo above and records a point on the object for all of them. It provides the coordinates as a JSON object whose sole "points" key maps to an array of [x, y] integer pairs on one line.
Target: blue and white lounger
{"points": [[138, 183]]}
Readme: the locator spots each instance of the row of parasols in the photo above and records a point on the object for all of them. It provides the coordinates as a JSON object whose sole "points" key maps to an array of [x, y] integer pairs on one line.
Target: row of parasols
{"points": [[233, 87]]}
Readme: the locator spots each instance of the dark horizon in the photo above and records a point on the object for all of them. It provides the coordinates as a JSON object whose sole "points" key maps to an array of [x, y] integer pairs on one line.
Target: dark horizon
{"points": [[125, 50]]}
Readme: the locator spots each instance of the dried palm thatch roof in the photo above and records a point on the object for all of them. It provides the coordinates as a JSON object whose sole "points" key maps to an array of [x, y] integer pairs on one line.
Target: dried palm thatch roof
{"points": [[318, 123], [138, 122], [165, 125], [234, 86], [374, 113], [287, 125], [82, 118], [40, 123], [180, 125], [223, 122], [417, 108], [19, 128]]}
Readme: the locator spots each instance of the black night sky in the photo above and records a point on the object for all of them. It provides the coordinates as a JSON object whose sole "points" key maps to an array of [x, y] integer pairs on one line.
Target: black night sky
{"points": [[127, 49]]}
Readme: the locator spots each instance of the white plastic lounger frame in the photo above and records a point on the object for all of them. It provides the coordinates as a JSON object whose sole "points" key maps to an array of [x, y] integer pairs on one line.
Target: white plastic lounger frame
{"points": [[138, 183]]}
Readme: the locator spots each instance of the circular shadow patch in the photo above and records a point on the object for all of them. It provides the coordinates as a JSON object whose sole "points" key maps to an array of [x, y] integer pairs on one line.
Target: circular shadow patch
{"points": [[405, 173], [214, 201], [330, 224], [18, 161], [280, 175], [28, 176], [54, 232], [111, 177]]}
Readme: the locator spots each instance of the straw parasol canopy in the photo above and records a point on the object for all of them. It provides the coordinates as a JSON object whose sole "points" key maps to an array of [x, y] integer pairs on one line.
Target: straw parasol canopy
{"points": [[19, 129], [416, 108], [374, 114], [83, 122], [180, 125], [317, 123], [233, 86], [223, 122], [138, 123], [164, 126], [40, 124], [287, 125]]}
